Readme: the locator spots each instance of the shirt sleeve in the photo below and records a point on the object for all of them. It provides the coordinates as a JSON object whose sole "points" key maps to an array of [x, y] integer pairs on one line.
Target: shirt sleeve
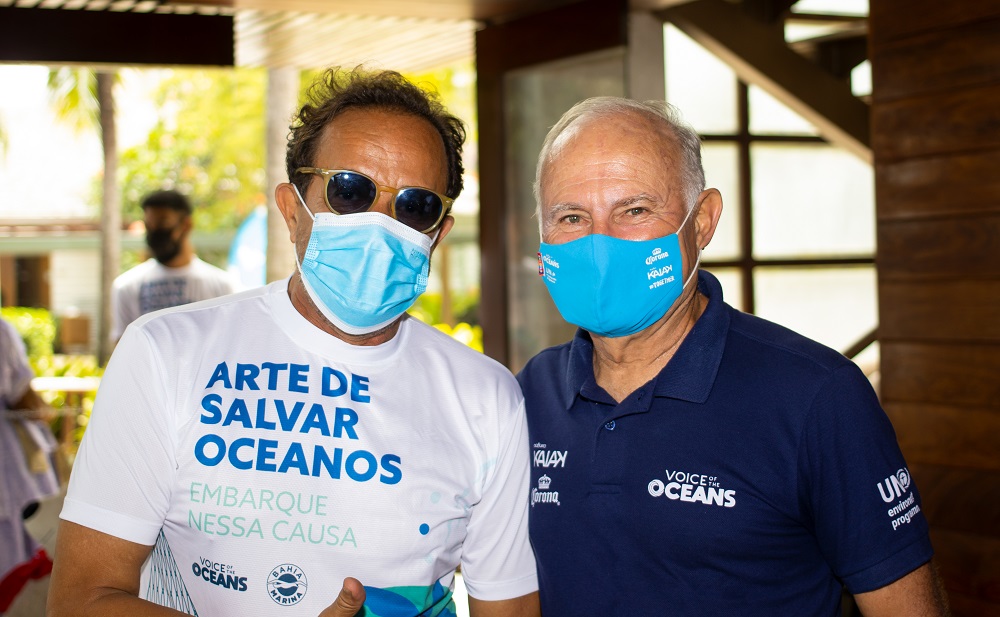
{"points": [[855, 482], [126, 464], [118, 317], [497, 561]]}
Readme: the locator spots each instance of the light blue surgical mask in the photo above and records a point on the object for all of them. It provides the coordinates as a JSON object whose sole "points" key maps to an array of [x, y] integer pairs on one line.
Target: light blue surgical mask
{"points": [[613, 287], [362, 271]]}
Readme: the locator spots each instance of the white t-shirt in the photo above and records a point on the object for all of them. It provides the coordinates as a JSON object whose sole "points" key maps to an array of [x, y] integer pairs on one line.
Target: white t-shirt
{"points": [[278, 459], [151, 286]]}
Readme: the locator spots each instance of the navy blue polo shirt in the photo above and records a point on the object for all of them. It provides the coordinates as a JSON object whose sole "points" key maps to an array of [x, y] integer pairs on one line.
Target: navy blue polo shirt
{"points": [[755, 475]]}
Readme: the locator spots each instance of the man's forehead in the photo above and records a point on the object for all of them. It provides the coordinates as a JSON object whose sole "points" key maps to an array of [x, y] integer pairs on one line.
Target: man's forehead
{"points": [[376, 121], [384, 143], [615, 159], [162, 214]]}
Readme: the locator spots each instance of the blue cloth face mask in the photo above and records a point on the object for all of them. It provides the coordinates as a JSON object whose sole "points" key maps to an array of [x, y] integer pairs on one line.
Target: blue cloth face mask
{"points": [[613, 287], [362, 271]]}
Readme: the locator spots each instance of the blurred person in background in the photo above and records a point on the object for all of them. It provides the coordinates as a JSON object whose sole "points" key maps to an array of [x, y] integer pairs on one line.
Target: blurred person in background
{"points": [[27, 471], [173, 275]]}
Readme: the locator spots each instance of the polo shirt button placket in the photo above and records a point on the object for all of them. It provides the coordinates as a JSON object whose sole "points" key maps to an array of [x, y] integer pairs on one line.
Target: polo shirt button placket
{"points": [[610, 425]]}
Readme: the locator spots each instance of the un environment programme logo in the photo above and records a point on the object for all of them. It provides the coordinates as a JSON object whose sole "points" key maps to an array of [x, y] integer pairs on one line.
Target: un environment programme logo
{"points": [[286, 584], [893, 488], [895, 485]]}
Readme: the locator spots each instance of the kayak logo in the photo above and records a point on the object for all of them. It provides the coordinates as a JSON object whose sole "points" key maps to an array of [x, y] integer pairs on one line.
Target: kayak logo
{"points": [[894, 486], [550, 458]]}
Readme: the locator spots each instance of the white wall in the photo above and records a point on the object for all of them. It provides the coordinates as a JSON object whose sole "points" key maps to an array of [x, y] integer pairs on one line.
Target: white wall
{"points": [[75, 283]]}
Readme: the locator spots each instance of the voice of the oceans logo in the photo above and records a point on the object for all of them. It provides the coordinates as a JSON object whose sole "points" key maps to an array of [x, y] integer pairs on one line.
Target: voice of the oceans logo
{"points": [[220, 574], [692, 488]]}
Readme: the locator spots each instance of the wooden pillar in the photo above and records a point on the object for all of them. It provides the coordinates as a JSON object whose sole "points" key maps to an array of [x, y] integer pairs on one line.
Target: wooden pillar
{"points": [[936, 142], [282, 92]]}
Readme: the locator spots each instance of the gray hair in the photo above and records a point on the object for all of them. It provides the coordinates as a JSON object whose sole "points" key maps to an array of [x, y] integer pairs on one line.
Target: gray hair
{"points": [[688, 144]]}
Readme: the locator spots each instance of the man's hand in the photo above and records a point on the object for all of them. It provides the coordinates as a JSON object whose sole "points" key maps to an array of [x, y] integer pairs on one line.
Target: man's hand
{"points": [[349, 602]]}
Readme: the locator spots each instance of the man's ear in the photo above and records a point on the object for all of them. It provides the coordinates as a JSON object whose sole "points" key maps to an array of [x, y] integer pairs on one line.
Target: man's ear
{"points": [[446, 224], [289, 206], [707, 219], [186, 225]]}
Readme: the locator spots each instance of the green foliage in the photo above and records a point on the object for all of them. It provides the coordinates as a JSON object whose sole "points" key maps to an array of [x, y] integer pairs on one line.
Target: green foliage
{"points": [[455, 84], [36, 327], [209, 143], [465, 306], [73, 91], [464, 333]]}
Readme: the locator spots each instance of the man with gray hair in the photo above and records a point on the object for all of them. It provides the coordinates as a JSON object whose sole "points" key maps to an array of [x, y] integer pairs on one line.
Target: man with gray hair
{"points": [[687, 458]]}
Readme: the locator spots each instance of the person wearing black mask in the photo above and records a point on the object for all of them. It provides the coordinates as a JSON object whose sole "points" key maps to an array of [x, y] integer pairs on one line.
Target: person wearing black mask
{"points": [[174, 274]]}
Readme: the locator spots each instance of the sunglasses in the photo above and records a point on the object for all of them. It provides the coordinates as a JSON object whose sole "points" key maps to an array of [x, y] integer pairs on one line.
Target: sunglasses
{"points": [[350, 192]]}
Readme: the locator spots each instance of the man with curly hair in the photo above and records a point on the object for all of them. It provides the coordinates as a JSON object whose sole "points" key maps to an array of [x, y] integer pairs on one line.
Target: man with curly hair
{"points": [[249, 453]]}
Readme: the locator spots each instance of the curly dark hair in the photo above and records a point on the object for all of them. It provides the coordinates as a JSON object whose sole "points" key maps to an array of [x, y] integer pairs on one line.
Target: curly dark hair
{"points": [[167, 199], [338, 90]]}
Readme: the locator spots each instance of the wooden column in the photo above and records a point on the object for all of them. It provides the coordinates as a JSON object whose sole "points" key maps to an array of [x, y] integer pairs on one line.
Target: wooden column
{"points": [[282, 93], [936, 142]]}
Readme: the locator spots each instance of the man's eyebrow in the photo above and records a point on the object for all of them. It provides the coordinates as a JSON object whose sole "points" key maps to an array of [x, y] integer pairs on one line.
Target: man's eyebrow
{"points": [[563, 207], [625, 202], [631, 200]]}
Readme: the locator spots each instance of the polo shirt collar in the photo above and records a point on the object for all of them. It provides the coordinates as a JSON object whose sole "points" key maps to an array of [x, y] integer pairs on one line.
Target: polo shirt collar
{"points": [[688, 376]]}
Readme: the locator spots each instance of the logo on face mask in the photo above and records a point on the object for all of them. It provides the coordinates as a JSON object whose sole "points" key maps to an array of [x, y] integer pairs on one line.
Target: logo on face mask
{"points": [[614, 287], [657, 255]]}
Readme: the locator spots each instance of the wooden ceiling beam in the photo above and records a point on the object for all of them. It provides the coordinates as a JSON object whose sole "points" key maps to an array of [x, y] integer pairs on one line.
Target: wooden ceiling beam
{"points": [[768, 11], [759, 58], [52, 36]]}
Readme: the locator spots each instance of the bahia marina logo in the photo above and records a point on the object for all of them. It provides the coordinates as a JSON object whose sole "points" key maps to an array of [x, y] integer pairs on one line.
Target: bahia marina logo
{"points": [[286, 584]]}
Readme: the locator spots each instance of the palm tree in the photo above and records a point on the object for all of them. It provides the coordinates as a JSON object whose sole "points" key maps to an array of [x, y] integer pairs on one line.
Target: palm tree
{"points": [[85, 99]]}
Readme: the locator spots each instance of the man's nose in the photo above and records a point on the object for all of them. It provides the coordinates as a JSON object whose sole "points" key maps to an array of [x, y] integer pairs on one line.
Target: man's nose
{"points": [[383, 204], [601, 226]]}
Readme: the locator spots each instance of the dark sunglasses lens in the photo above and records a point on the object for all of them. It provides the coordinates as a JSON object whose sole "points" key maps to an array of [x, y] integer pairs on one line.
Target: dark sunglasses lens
{"points": [[350, 193], [418, 208]]}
